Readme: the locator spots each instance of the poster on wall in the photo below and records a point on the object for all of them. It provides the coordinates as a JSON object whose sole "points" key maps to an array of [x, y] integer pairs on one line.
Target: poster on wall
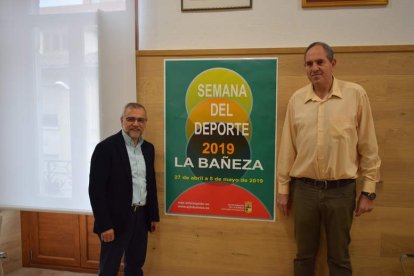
{"points": [[220, 137], [331, 3]]}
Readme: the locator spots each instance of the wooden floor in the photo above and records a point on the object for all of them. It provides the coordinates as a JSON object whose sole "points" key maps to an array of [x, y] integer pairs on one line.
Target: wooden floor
{"points": [[44, 272]]}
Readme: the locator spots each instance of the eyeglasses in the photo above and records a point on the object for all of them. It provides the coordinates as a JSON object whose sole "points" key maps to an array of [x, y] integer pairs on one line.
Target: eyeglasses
{"points": [[138, 120]]}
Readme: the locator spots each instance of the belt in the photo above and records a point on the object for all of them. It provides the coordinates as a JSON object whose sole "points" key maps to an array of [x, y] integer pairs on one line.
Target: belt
{"points": [[326, 184], [136, 207]]}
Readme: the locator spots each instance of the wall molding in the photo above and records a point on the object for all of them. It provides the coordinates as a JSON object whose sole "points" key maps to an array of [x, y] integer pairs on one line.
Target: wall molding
{"points": [[271, 51]]}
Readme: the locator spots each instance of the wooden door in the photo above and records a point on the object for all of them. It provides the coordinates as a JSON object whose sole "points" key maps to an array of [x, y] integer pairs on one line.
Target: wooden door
{"points": [[60, 241], [90, 244], [53, 239]]}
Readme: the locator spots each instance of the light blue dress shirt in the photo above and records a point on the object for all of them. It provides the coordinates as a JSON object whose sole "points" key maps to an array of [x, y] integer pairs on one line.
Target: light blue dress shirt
{"points": [[138, 170]]}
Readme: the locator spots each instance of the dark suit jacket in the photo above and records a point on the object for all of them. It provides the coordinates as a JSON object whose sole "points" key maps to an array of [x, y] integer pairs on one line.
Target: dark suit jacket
{"points": [[110, 184]]}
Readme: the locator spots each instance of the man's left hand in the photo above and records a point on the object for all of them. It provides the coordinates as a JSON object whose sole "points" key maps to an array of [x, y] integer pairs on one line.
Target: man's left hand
{"points": [[154, 226], [364, 205]]}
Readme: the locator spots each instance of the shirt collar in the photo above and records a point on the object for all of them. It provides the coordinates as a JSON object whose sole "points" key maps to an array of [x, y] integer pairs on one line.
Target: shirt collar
{"points": [[335, 91], [130, 142]]}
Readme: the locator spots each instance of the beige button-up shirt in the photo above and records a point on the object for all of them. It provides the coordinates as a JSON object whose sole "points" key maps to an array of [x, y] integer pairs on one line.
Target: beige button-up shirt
{"points": [[329, 139]]}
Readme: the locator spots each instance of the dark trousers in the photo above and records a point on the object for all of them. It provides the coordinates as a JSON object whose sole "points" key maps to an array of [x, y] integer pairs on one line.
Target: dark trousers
{"points": [[332, 208], [131, 244]]}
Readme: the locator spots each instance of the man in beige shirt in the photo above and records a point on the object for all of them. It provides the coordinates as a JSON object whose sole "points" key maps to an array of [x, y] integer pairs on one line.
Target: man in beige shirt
{"points": [[328, 141]]}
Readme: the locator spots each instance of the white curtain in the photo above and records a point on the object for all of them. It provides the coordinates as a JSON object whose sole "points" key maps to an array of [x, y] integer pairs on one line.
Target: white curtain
{"points": [[66, 69]]}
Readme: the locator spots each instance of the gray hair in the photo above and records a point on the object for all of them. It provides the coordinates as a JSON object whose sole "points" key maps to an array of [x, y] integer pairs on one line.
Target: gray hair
{"points": [[328, 49], [133, 106]]}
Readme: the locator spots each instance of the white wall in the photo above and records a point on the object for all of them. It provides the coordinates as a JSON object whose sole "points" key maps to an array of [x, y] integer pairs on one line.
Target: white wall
{"points": [[273, 24]]}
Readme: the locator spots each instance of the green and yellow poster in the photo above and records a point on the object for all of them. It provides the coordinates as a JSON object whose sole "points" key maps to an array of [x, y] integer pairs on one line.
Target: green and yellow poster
{"points": [[220, 137]]}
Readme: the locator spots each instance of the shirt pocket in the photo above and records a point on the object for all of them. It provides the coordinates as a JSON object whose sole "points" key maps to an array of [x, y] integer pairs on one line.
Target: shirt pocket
{"points": [[342, 127]]}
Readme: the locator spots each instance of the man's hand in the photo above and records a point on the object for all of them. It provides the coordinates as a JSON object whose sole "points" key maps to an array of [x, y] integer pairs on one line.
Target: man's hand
{"points": [[364, 205], [108, 235], [282, 202], [154, 226]]}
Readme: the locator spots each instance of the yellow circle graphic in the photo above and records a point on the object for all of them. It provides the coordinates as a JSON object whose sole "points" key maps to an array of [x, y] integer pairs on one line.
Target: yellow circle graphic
{"points": [[219, 83]]}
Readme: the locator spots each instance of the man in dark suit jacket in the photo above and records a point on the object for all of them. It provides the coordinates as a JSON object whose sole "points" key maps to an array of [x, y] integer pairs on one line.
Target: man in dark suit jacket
{"points": [[123, 194]]}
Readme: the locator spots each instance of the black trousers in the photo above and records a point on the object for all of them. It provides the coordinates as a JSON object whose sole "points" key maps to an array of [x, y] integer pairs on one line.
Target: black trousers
{"points": [[131, 244]]}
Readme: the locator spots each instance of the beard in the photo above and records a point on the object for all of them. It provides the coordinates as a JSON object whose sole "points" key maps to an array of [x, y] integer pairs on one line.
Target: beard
{"points": [[134, 132]]}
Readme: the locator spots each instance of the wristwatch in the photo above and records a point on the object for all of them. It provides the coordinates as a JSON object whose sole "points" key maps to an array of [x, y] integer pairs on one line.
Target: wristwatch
{"points": [[370, 196]]}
